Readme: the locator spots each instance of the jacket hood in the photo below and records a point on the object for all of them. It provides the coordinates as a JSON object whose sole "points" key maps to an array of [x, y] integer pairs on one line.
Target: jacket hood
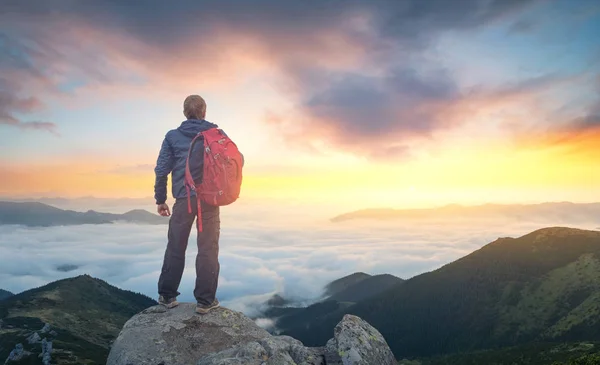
{"points": [[191, 127]]}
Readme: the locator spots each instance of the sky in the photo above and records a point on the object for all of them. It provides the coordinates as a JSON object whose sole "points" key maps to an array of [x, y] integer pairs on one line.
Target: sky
{"points": [[352, 104]]}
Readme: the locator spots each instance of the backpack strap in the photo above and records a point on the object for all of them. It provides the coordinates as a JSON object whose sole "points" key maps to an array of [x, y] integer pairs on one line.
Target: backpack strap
{"points": [[189, 180]]}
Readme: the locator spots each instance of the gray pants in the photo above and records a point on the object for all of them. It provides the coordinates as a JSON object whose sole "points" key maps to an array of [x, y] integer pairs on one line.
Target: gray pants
{"points": [[207, 259]]}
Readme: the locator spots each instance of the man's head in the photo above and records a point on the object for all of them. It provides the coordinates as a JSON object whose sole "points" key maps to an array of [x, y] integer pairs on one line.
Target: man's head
{"points": [[194, 107]]}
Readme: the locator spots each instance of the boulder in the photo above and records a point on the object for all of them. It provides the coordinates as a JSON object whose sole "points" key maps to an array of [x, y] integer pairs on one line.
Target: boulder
{"points": [[178, 336], [356, 342]]}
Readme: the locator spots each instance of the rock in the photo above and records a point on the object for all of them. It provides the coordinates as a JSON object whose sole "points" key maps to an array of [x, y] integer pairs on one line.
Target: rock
{"points": [[274, 350], [46, 328], [46, 352], [34, 338], [17, 354], [332, 356], [356, 342], [180, 336]]}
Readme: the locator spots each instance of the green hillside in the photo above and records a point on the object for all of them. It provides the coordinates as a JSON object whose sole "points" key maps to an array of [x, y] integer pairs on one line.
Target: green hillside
{"points": [[544, 286], [85, 313]]}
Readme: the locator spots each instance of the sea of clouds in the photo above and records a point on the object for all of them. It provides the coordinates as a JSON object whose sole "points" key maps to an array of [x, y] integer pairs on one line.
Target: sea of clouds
{"points": [[262, 252]]}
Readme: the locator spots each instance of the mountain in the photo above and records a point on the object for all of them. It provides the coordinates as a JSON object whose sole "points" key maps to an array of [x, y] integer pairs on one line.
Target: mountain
{"points": [[541, 287], [557, 212], [366, 288], [277, 301], [39, 214], [82, 201], [339, 294], [84, 314], [342, 284], [5, 294]]}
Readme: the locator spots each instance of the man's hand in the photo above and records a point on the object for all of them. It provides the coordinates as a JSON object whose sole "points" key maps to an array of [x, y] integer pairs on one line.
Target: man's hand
{"points": [[163, 209]]}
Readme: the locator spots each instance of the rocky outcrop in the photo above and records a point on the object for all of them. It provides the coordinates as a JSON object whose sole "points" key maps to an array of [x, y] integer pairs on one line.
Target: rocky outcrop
{"points": [[178, 336], [358, 343]]}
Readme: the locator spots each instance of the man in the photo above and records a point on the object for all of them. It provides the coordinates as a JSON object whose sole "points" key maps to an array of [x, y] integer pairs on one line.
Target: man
{"points": [[172, 159]]}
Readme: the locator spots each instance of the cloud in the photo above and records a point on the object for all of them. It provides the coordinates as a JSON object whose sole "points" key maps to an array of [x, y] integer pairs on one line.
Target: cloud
{"points": [[353, 110], [318, 53], [590, 118], [261, 253], [10, 104], [567, 124]]}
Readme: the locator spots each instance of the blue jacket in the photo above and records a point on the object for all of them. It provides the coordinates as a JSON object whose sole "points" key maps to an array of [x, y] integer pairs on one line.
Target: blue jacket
{"points": [[172, 157]]}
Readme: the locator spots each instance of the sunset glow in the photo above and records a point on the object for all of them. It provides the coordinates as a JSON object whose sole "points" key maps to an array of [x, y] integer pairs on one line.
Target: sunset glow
{"points": [[335, 110]]}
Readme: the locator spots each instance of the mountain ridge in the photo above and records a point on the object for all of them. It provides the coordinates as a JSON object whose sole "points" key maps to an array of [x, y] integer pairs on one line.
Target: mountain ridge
{"points": [[343, 283], [555, 210], [36, 214], [366, 288]]}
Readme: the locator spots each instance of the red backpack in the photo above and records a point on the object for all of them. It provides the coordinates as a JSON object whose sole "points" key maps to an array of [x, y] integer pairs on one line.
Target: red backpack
{"points": [[221, 178]]}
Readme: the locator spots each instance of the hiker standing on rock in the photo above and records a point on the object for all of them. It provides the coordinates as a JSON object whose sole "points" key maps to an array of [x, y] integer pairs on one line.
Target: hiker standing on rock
{"points": [[206, 169]]}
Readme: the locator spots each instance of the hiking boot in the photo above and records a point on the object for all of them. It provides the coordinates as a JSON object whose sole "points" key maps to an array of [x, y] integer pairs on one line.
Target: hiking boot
{"points": [[204, 308], [168, 302]]}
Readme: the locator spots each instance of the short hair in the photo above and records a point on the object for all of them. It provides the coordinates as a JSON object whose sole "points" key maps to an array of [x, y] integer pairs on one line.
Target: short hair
{"points": [[194, 107]]}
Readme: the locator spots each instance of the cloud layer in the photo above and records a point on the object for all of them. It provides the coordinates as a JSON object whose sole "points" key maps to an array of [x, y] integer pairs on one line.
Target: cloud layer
{"points": [[260, 253]]}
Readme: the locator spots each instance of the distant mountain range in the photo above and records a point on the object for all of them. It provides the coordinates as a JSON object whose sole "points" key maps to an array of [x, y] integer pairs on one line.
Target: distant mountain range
{"points": [[80, 316], [39, 214], [557, 212], [5, 294], [81, 201]]}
